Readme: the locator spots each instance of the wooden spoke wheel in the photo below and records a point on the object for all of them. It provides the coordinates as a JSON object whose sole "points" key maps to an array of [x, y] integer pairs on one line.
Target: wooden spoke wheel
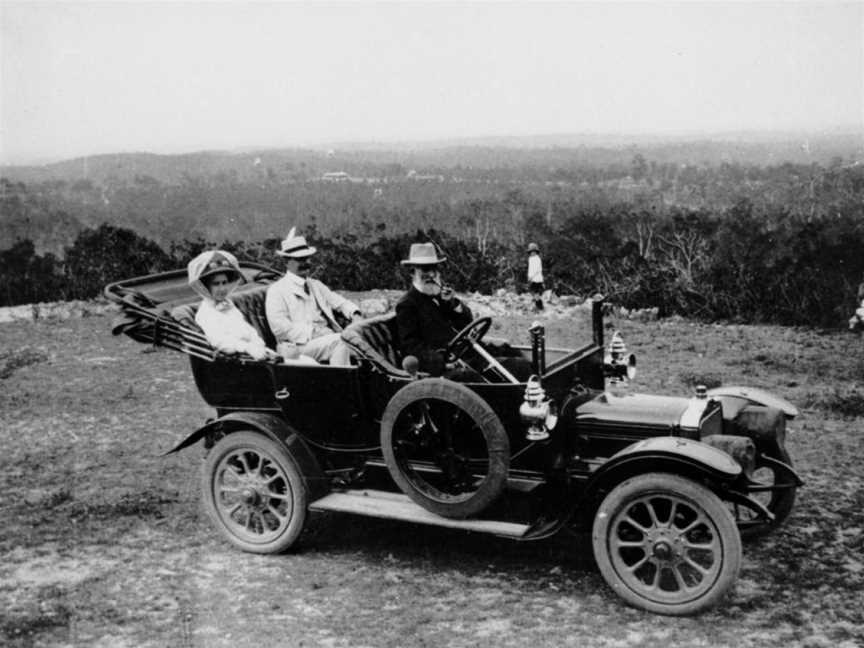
{"points": [[254, 492], [666, 544]]}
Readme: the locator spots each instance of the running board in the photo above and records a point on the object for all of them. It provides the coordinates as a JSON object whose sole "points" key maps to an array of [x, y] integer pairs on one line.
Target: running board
{"points": [[395, 506], [514, 483]]}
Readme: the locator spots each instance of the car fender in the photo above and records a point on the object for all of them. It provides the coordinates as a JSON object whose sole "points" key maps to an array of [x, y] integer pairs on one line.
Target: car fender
{"points": [[670, 454], [275, 429], [755, 396]]}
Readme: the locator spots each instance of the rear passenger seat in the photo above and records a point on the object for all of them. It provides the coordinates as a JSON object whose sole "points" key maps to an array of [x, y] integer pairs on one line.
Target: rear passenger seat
{"points": [[250, 302]]}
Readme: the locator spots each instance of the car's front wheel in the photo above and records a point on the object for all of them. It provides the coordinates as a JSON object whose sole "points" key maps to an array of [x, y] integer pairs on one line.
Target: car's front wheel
{"points": [[254, 492], [666, 544]]}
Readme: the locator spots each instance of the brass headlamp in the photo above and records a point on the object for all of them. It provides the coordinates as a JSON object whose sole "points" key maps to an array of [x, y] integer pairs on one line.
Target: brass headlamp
{"points": [[538, 413]]}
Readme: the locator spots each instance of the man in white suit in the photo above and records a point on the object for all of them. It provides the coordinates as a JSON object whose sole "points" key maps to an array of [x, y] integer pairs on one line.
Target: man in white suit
{"points": [[300, 310]]}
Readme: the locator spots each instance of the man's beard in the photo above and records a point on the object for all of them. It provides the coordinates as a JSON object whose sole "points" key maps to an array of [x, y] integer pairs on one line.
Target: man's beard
{"points": [[427, 288]]}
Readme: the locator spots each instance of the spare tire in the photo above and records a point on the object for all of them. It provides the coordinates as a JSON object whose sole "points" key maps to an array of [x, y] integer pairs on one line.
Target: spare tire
{"points": [[445, 447]]}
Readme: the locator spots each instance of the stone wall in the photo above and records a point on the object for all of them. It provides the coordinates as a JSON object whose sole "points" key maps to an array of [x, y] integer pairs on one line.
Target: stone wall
{"points": [[56, 310]]}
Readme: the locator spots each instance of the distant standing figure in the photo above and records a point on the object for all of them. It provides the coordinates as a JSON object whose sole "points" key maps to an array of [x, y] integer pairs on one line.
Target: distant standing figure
{"points": [[856, 322], [535, 276]]}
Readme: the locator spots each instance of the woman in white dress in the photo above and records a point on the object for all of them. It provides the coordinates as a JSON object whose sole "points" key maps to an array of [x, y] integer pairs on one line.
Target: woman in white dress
{"points": [[213, 275]]}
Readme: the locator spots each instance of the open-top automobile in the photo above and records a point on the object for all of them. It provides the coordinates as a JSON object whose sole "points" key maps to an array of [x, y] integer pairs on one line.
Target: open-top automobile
{"points": [[545, 440]]}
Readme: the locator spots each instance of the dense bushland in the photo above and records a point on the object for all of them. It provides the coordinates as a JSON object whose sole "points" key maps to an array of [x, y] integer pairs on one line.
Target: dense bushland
{"points": [[741, 265], [244, 200]]}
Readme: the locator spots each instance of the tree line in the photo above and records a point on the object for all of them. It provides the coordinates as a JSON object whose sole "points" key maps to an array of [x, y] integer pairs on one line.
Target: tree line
{"points": [[746, 263]]}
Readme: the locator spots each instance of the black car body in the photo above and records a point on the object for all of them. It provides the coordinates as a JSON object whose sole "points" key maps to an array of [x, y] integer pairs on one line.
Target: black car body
{"points": [[548, 440]]}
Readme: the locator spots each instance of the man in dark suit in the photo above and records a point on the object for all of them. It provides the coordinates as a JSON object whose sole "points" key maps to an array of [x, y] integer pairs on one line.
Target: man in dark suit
{"points": [[429, 314]]}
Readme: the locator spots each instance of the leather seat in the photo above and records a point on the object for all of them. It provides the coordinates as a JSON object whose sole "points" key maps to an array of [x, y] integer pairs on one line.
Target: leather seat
{"points": [[251, 303], [376, 340]]}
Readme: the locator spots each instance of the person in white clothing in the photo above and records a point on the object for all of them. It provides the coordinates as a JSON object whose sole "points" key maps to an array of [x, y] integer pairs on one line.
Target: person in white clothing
{"points": [[213, 275], [301, 310], [535, 275], [856, 322]]}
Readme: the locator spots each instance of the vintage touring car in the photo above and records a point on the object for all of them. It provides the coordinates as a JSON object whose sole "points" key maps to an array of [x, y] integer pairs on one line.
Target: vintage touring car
{"points": [[547, 440]]}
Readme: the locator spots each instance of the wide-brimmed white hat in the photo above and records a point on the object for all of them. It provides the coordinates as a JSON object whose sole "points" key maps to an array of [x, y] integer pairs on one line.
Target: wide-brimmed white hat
{"points": [[422, 254], [210, 263], [295, 247]]}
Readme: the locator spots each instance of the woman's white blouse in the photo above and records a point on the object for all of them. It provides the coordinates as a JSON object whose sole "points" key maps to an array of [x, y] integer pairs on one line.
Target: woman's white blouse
{"points": [[227, 330]]}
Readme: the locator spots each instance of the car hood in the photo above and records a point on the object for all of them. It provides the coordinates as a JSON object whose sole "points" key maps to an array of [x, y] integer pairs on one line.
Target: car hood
{"points": [[644, 409]]}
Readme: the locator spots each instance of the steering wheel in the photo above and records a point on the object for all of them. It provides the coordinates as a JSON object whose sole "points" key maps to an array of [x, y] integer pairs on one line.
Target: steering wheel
{"points": [[467, 337]]}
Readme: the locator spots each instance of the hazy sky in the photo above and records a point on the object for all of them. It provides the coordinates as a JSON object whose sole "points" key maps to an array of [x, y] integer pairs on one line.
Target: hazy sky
{"points": [[169, 77]]}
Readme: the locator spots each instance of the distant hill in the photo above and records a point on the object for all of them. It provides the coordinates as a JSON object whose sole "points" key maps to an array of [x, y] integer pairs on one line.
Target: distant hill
{"points": [[545, 151], [834, 139]]}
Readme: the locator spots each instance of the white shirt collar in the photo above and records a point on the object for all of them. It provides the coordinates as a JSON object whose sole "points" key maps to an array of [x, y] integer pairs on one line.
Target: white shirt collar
{"points": [[295, 283], [294, 279]]}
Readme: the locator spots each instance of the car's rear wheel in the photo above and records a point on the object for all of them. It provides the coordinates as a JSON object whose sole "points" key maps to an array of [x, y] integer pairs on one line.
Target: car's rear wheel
{"points": [[666, 544], [445, 447], [254, 492], [778, 494]]}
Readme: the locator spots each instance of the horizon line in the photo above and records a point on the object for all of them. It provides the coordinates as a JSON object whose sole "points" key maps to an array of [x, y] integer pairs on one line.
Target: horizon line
{"points": [[775, 135]]}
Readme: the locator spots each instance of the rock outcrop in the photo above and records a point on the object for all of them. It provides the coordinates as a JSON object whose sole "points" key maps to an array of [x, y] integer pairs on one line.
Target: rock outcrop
{"points": [[500, 304], [56, 310]]}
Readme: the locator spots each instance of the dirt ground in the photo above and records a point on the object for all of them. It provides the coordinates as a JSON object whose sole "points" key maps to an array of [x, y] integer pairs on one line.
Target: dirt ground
{"points": [[103, 542]]}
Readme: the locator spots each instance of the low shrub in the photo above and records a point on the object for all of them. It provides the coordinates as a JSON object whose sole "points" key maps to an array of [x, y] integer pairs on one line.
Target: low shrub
{"points": [[10, 361], [845, 402], [692, 379]]}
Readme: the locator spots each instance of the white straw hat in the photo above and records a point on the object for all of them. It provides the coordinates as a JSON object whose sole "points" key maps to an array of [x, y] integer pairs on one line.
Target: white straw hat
{"points": [[295, 247], [423, 254]]}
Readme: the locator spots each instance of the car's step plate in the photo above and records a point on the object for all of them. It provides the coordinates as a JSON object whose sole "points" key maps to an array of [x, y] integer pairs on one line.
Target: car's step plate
{"points": [[395, 506]]}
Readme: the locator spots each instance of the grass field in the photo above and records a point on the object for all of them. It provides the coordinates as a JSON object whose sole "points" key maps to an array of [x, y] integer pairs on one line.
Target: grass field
{"points": [[104, 544]]}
